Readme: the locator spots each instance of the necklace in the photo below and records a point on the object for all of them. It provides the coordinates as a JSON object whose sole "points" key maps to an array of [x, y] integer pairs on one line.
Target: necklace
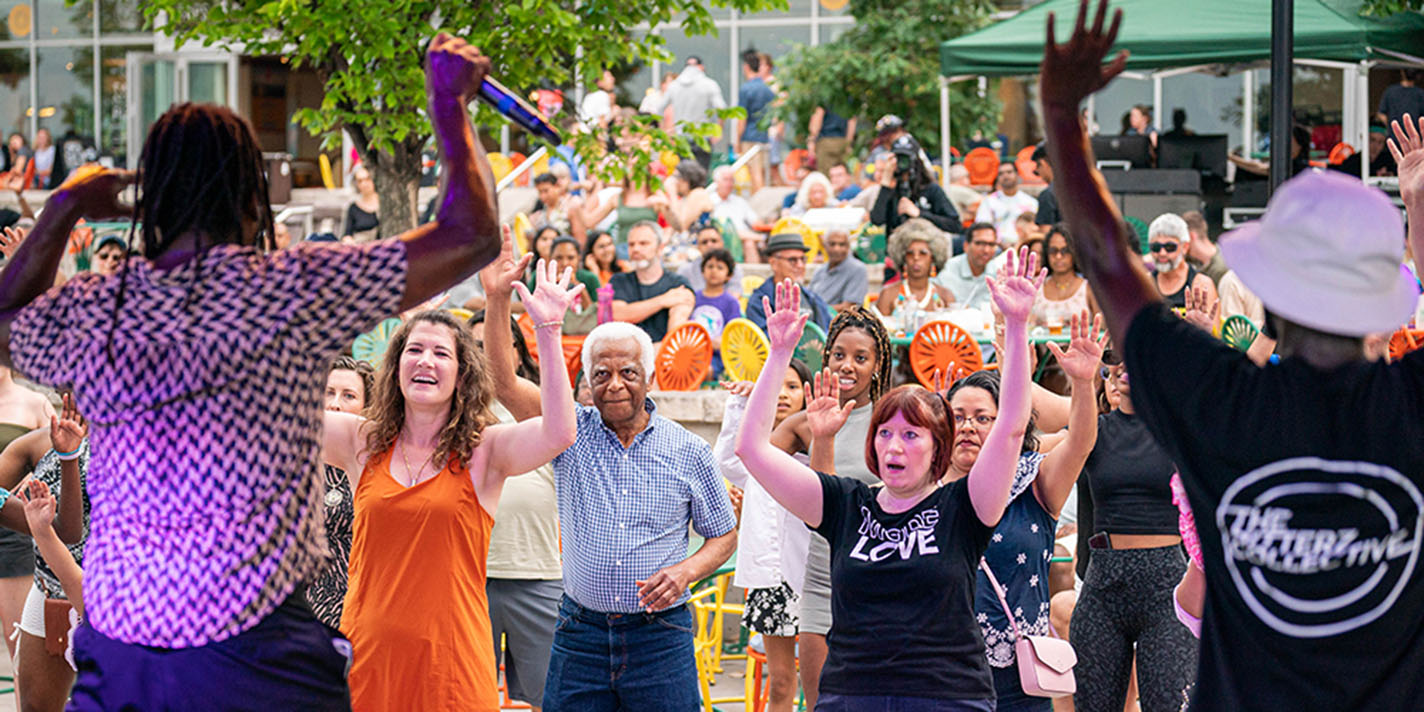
{"points": [[405, 456]]}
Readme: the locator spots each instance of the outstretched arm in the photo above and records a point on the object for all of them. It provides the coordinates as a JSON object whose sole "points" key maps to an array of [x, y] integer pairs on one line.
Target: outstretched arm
{"points": [[39, 513], [66, 434], [465, 234], [1014, 291], [792, 484], [1407, 146], [1060, 468], [1070, 72], [519, 397], [521, 447]]}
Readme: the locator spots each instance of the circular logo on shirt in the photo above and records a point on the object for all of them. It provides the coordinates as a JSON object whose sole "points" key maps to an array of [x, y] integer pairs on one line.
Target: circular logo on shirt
{"points": [[1320, 547], [709, 317]]}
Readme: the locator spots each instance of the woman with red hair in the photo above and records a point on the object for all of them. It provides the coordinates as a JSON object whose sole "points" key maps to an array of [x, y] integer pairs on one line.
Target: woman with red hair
{"points": [[904, 553]]}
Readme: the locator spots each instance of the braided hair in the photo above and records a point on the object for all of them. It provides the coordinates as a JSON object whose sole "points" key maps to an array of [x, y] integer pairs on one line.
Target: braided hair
{"points": [[858, 317], [200, 171]]}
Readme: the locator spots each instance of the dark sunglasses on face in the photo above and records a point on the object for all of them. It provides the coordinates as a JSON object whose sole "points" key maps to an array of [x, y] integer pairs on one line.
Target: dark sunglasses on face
{"points": [[1056, 251], [1167, 247]]}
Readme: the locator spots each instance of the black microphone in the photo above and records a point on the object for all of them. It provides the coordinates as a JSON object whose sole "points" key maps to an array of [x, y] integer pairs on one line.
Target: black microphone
{"points": [[508, 104]]}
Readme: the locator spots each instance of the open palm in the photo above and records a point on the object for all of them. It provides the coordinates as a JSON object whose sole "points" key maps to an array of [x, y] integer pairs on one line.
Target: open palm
{"points": [[552, 295], [824, 413], [498, 276], [1085, 350], [67, 430], [1072, 71], [1016, 287], [1407, 146], [785, 322]]}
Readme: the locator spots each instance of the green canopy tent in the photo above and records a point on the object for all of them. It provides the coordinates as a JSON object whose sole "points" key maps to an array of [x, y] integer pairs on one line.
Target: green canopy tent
{"points": [[1167, 37]]}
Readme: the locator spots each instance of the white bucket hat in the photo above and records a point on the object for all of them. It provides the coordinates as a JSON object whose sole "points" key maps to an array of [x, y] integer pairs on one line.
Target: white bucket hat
{"points": [[1328, 254]]}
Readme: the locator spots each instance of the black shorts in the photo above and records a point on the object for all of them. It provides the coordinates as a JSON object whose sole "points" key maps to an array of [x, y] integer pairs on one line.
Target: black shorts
{"points": [[289, 661]]}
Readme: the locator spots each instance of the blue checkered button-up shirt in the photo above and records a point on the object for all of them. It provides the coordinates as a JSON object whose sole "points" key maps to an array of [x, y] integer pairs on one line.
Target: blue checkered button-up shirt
{"points": [[624, 511]]}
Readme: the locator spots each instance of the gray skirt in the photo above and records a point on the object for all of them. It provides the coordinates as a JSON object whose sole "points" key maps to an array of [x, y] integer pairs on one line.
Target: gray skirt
{"points": [[816, 591]]}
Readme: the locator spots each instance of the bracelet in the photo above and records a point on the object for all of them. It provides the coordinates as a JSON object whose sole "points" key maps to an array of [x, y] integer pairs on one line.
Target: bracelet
{"points": [[560, 322], [74, 455]]}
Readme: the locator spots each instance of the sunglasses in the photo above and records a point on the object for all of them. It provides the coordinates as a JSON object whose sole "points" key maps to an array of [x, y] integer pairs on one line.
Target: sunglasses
{"points": [[1056, 251], [1167, 247]]}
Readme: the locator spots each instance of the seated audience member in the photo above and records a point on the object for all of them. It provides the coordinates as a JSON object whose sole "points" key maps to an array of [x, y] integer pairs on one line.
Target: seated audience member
{"points": [[109, 254], [716, 306], [908, 190], [843, 281], [1300, 156], [730, 206], [1025, 226], [656, 300], [786, 253], [1064, 293], [689, 201], [582, 315], [1003, 207], [362, 222], [1202, 252], [1047, 214], [842, 182], [869, 189], [1381, 162], [919, 250], [709, 238], [50, 170], [1168, 238], [816, 192], [961, 194], [964, 274], [601, 257], [554, 205]]}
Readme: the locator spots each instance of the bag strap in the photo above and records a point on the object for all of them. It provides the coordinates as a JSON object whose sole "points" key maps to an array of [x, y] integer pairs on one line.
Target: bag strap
{"points": [[999, 591]]}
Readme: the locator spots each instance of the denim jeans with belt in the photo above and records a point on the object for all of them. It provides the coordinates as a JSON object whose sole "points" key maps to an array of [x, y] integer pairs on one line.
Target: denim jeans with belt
{"points": [[895, 703], [605, 662]]}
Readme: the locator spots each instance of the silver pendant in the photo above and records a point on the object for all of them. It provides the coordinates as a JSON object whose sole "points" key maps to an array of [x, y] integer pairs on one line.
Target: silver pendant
{"points": [[333, 498]]}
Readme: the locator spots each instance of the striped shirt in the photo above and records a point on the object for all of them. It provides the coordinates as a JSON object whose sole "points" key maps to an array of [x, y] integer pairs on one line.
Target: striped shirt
{"points": [[624, 511], [205, 478]]}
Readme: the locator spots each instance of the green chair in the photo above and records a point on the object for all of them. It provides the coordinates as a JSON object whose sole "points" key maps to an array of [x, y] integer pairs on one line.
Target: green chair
{"points": [[811, 346], [870, 245], [730, 239], [1238, 332], [1141, 229]]}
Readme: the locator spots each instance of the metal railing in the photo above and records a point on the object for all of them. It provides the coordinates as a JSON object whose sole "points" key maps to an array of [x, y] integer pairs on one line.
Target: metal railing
{"points": [[521, 169], [302, 211]]}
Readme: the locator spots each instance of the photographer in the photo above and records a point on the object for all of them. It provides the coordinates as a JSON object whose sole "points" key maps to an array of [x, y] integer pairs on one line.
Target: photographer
{"points": [[907, 190]]}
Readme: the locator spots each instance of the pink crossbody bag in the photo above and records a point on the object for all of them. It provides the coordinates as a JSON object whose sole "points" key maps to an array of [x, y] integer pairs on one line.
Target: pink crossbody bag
{"points": [[1045, 662]]}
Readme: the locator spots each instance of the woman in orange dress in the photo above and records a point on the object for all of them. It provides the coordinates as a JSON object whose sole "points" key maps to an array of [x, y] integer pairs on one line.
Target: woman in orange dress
{"points": [[430, 474]]}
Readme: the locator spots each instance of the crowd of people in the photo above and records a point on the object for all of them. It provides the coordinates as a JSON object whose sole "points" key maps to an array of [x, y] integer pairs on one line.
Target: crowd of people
{"points": [[261, 519]]}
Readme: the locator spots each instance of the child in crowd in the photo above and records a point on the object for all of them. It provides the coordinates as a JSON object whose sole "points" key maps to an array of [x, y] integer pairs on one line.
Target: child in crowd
{"points": [[39, 513], [715, 307]]}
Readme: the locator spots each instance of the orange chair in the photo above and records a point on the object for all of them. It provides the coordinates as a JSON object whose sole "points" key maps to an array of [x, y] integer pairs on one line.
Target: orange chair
{"points": [[983, 166], [1404, 341], [1339, 153], [792, 163], [684, 359], [1028, 173], [969, 215], [942, 347]]}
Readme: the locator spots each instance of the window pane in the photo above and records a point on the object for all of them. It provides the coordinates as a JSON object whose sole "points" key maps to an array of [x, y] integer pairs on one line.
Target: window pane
{"points": [[800, 9], [120, 16], [15, 92], [830, 32], [54, 19], [65, 77], [775, 41], [16, 20], [207, 82], [835, 7], [113, 102]]}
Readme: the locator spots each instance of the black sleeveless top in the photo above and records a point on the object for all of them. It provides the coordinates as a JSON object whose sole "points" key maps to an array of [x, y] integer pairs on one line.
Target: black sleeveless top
{"points": [[1178, 299]]}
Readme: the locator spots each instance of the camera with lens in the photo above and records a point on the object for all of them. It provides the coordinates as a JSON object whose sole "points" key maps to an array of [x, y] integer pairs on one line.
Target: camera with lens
{"points": [[907, 151]]}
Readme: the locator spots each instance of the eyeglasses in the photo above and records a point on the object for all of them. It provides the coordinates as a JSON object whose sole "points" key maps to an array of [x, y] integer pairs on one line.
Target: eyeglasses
{"points": [[1167, 247], [1056, 251], [980, 421], [798, 260], [1106, 372]]}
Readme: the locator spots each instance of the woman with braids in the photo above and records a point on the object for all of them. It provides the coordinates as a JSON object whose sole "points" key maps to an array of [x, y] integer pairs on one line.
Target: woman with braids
{"points": [[428, 469], [200, 368], [857, 355], [348, 388], [903, 555]]}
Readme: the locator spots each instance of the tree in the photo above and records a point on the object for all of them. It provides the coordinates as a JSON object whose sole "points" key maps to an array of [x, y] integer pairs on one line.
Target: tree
{"points": [[888, 63], [369, 55]]}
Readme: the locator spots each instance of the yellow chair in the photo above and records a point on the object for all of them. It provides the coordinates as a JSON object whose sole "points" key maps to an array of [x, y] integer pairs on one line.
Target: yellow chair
{"points": [[744, 349], [500, 165], [523, 229], [324, 162], [709, 607]]}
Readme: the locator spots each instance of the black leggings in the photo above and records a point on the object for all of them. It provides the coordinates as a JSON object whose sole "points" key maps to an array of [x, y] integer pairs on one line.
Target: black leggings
{"points": [[1127, 599]]}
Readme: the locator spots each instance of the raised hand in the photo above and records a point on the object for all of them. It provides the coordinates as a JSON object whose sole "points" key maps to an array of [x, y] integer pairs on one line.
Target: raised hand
{"points": [[1202, 311], [39, 505], [95, 190], [739, 388], [1085, 351], [10, 240], [1017, 285], [1072, 71], [67, 430], [1407, 147], [785, 322], [942, 381], [824, 412], [499, 276], [552, 295], [454, 68]]}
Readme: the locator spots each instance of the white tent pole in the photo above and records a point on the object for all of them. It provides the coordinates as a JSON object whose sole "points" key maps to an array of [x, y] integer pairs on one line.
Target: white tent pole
{"points": [[944, 131], [1362, 99], [1157, 101], [1350, 108], [1248, 112]]}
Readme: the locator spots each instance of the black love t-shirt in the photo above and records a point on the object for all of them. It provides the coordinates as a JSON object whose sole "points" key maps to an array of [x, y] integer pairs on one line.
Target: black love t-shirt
{"points": [[1305, 486], [902, 594]]}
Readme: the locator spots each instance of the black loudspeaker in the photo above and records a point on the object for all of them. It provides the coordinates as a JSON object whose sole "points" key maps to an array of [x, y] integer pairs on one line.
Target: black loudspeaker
{"points": [[1157, 181], [1145, 207]]}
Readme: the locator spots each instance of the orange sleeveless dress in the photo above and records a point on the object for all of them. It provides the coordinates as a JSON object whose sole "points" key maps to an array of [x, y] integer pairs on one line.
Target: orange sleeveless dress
{"points": [[416, 611]]}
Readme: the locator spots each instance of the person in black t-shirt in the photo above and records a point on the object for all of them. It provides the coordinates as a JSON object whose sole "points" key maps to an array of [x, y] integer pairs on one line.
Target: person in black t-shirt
{"points": [[656, 300], [1307, 476], [903, 556], [1047, 214]]}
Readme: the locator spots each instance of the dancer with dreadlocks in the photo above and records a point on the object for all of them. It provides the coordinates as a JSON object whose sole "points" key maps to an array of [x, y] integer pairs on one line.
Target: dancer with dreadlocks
{"points": [[857, 355], [200, 368]]}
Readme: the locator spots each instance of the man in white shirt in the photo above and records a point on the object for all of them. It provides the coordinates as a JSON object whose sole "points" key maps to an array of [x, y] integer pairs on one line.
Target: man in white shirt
{"points": [[964, 274], [1003, 206], [729, 205], [597, 106]]}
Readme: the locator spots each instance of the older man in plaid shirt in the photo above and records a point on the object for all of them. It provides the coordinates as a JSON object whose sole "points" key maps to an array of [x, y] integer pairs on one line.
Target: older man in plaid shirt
{"points": [[628, 487]]}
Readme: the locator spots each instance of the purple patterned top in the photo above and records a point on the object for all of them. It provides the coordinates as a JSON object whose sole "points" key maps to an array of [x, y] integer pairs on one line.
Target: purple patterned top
{"points": [[205, 478]]}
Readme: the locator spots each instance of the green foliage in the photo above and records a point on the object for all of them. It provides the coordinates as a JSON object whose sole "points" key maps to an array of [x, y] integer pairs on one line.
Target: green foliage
{"points": [[369, 53], [1385, 8], [641, 153], [888, 63]]}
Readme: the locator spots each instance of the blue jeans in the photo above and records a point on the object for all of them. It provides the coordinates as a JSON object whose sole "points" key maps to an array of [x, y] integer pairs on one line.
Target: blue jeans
{"points": [[828, 702], [622, 661]]}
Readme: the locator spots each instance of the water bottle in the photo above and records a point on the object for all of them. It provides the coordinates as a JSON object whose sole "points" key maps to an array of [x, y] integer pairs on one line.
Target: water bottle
{"points": [[605, 304]]}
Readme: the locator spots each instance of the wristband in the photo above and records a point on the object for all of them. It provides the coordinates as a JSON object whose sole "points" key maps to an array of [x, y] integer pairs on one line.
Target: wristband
{"points": [[74, 455], [549, 323]]}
